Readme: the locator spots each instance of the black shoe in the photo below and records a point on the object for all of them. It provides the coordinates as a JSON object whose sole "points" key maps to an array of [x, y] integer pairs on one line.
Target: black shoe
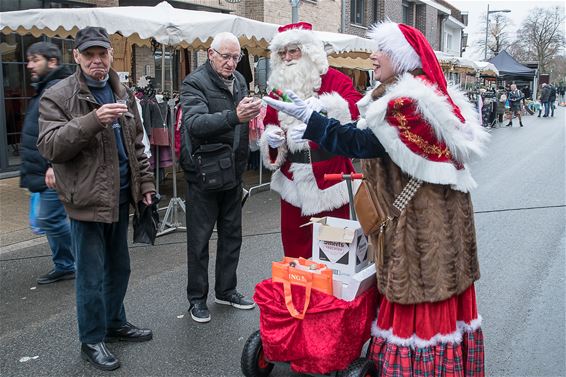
{"points": [[545, 116], [99, 356], [53, 276], [128, 333], [521, 124], [510, 124], [199, 312], [236, 300]]}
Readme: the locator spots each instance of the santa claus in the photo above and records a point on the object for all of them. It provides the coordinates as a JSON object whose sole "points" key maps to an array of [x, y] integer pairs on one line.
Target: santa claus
{"points": [[299, 63]]}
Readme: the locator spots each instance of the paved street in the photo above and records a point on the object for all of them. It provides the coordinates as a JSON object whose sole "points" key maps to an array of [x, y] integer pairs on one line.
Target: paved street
{"points": [[520, 216]]}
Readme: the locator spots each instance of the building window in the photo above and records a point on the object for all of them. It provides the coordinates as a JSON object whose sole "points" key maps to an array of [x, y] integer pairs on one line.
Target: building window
{"points": [[357, 12], [406, 19], [448, 42]]}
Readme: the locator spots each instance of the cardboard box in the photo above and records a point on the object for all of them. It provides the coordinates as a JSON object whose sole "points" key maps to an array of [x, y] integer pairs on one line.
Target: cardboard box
{"points": [[340, 244], [347, 288]]}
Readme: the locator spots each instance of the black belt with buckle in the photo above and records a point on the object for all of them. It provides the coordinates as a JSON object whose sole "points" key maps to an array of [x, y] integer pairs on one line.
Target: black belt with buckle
{"points": [[307, 156]]}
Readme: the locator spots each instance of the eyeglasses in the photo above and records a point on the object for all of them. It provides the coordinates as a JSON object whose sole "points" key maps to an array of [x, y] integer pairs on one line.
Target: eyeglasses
{"points": [[227, 57], [292, 50]]}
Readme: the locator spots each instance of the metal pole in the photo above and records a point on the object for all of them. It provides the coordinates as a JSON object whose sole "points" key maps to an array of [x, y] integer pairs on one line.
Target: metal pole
{"points": [[486, 31], [295, 11]]}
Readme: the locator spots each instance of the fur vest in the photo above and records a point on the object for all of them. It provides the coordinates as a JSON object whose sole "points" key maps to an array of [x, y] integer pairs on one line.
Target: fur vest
{"points": [[430, 251]]}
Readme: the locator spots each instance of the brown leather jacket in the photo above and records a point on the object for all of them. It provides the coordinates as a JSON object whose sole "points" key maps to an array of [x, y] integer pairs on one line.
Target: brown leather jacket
{"points": [[430, 251], [83, 151]]}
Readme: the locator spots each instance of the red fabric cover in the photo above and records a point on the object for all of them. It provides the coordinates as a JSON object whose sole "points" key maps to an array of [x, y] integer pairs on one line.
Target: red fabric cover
{"points": [[425, 321], [416, 133], [298, 25], [297, 241], [330, 336], [179, 120], [444, 359], [430, 64]]}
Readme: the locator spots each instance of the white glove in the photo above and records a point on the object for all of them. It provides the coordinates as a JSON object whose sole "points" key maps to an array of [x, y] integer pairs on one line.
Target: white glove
{"points": [[298, 109], [296, 133], [316, 105], [274, 137]]}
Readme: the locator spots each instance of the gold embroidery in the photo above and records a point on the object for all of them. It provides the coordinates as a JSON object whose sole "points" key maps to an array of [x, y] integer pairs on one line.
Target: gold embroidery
{"points": [[426, 147], [398, 103]]}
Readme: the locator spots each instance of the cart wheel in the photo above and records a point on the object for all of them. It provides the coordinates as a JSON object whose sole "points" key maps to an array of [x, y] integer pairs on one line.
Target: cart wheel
{"points": [[253, 362], [361, 367]]}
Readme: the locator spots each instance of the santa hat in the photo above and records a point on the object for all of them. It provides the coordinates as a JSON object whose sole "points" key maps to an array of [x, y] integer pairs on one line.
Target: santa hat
{"points": [[301, 34], [409, 49]]}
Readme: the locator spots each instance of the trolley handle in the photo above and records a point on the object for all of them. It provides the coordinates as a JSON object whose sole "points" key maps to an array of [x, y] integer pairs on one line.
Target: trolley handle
{"points": [[341, 177]]}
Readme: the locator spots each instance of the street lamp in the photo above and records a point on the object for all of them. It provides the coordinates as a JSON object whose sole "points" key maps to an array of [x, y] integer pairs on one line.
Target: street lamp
{"points": [[487, 26]]}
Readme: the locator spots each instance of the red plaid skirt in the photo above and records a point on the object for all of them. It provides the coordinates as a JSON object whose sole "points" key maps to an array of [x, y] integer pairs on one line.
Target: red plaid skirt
{"points": [[430, 339]]}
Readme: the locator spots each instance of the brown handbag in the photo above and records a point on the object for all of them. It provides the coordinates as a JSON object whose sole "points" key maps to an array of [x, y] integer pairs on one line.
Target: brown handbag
{"points": [[371, 212]]}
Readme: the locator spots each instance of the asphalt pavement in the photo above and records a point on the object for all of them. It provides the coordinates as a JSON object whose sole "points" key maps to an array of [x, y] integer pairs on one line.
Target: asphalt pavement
{"points": [[520, 211]]}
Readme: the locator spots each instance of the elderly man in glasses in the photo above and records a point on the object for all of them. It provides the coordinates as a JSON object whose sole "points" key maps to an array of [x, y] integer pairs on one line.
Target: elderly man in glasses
{"points": [[216, 111], [299, 62]]}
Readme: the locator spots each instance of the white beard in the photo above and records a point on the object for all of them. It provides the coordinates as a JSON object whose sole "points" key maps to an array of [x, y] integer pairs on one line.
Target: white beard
{"points": [[303, 78]]}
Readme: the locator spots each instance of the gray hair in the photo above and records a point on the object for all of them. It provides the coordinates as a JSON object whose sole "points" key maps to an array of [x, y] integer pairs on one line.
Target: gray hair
{"points": [[220, 38]]}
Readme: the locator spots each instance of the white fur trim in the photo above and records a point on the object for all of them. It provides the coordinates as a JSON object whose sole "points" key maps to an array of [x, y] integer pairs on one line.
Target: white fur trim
{"points": [[391, 40], [464, 140], [304, 193], [364, 103], [264, 150], [415, 342], [336, 107], [310, 46]]}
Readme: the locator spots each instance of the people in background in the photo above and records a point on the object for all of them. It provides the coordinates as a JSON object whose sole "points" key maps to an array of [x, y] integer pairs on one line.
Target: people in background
{"points": [[36, 173], [545, 99], [90, 130], [515, 97]]}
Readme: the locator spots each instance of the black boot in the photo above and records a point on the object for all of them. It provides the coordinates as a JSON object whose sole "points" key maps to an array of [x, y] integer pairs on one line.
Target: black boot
{"points": [[99, 356], [510, 124], [521, 123]]}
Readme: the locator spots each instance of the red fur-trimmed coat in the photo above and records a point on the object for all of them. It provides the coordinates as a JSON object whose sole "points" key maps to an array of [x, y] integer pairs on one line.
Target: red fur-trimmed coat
{"points": [[302, 185]]}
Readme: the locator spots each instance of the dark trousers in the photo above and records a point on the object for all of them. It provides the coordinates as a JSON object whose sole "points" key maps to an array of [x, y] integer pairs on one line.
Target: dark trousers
{"points": [[204, 209], [102, 274]]}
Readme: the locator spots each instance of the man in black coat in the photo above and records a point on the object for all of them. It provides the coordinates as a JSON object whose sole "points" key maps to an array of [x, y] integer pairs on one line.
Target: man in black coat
{"points": [[36, 174], [216, 111]]}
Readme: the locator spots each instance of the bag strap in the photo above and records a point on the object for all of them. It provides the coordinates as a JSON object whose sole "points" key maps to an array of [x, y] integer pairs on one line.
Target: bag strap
{"points": [[289, 299], [407, 194], [235, 143]]}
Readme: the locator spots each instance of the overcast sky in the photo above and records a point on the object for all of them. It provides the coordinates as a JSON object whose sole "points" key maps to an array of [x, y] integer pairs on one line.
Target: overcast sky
{"points": [[476, 10]]}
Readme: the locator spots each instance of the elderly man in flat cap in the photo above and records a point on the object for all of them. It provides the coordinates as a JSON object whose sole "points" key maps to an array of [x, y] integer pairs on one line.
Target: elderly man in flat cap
{"points": [[90, 131]]}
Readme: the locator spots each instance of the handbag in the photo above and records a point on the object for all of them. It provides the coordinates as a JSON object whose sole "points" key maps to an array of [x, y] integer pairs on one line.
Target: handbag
{"points": [[302, 272], [215, 163], [145, 225], [374, 213]]}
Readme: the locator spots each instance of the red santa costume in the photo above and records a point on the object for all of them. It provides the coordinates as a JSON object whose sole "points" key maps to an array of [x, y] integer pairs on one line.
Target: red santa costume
{"points": [[427, 323], [300, 167]]}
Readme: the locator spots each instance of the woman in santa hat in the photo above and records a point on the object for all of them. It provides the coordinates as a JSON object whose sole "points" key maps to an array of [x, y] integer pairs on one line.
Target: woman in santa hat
{"points": [[415, 133]]}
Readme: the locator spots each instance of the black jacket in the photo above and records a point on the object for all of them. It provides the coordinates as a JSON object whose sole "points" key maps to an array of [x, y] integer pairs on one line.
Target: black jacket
{"points": [[34, 166], [209, 115]]}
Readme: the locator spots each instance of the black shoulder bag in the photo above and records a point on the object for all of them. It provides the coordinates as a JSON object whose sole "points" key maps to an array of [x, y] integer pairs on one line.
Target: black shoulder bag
{"points": [[215, 163]]}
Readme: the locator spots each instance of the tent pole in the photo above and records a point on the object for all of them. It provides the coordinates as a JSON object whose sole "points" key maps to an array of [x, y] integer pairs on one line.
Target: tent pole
{"points": [[171, 221]]}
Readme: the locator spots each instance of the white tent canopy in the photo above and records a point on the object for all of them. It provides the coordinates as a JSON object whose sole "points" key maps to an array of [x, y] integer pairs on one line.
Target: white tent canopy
{"points": [[167, 25]]}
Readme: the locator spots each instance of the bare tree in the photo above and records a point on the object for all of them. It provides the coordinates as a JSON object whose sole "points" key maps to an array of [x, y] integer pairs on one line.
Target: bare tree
{"points": [[498, 36], [540, 37]]}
